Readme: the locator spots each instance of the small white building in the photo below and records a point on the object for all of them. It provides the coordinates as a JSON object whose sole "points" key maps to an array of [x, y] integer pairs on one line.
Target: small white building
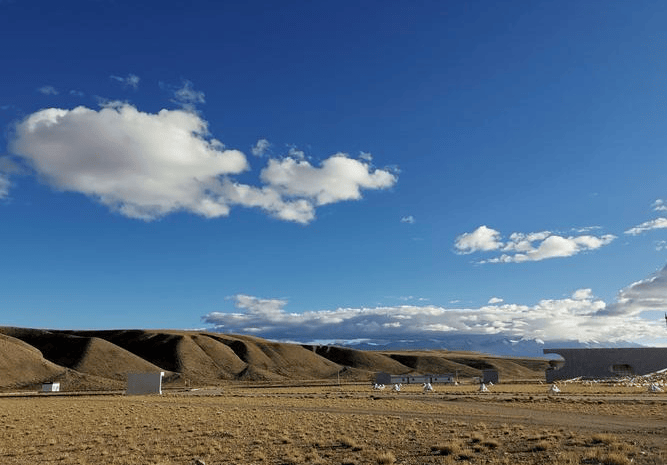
{"points": [[51, 387], [144, 383]]}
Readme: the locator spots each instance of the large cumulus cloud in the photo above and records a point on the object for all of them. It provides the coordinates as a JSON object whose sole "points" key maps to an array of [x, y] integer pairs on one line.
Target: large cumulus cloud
{"points": [[147, 165]]}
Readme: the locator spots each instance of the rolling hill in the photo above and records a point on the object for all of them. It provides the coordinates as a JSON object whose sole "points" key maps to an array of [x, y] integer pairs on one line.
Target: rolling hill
{"points": [[99, 360]]}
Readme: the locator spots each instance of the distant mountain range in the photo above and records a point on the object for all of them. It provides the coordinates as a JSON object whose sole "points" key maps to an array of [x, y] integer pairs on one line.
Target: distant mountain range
{"points": [[488, 344]]}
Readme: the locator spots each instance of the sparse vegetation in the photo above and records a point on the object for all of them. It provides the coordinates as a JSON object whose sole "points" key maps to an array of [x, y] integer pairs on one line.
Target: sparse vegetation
{"points": [[281, 421], [451, 448], [279, 425], [386, 458]]}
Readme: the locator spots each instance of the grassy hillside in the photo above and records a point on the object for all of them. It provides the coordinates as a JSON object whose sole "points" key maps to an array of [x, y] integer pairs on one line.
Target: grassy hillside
{"points": [[91, 360]]}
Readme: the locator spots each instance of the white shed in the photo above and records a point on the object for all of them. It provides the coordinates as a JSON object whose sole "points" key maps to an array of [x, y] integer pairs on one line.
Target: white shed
{"points": [[144, 383], [50, 387]]}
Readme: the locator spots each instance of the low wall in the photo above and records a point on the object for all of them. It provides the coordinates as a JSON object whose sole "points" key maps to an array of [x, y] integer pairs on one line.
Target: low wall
{"points": [[607, 363], [144, 383]]}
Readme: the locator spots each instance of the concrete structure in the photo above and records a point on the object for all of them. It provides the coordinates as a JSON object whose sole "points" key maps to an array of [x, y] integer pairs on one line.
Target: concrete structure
{"points": [[144, 383], [489, 376], [50, 387], [386, 378], [607, 363]]}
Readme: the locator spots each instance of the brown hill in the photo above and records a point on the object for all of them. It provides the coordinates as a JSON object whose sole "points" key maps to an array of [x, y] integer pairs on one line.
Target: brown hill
{"points": [[84, 360], [363, 360], [289, 361], [104, 359], [436, 365], [22, 364]]}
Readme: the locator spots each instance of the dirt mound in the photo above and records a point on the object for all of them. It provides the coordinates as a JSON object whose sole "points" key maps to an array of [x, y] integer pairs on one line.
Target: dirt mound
{"points": [[22, 364]]}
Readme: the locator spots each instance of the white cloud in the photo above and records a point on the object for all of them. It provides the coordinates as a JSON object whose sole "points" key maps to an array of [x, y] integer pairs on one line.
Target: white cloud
{"points": [[495, 300], [658, 223], [527, 247], [296, 153], [659, 205], [146, 166], [647, 294], [660, 245], [131, 80], [581, 318], [260, 148], [296, 210], [408, 219], [140, 164], [481, 239], [582, 294], [48, 90], [339, 178]]}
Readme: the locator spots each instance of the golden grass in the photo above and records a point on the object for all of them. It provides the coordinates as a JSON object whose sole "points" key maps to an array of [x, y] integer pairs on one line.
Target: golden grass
{"points": [[320, 426]]}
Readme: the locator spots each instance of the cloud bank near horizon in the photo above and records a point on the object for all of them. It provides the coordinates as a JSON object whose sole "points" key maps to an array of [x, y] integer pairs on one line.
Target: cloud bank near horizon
{"points": [[148, 165], [580, 317]]}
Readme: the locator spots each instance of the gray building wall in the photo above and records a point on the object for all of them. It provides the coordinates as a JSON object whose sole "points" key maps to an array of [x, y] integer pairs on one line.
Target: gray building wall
{"points": [[386, 378], [489, 376], [607, 363]]}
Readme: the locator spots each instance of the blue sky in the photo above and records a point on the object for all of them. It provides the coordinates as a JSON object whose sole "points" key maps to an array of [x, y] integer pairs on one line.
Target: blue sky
{"points": [[310, 170]]}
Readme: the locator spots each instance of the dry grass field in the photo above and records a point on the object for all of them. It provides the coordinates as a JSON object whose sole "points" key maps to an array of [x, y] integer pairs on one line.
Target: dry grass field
{"points": [[349, 424], [233, 399]]}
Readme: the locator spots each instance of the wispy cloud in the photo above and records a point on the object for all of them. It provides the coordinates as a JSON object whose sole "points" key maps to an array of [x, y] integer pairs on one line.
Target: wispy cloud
{"points": [[579, 317], [131, 80], [188, 97], [260, 147], [4, 186], [48, 90], [408, 219], [150, 165], [525, 247], [495, 300], [658, 223], [366, 156]]}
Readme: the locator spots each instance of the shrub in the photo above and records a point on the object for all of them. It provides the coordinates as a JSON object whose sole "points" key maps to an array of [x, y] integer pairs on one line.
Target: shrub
{"points": [[451, 448], [386, 458], [603, 438], [540, 446]]}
